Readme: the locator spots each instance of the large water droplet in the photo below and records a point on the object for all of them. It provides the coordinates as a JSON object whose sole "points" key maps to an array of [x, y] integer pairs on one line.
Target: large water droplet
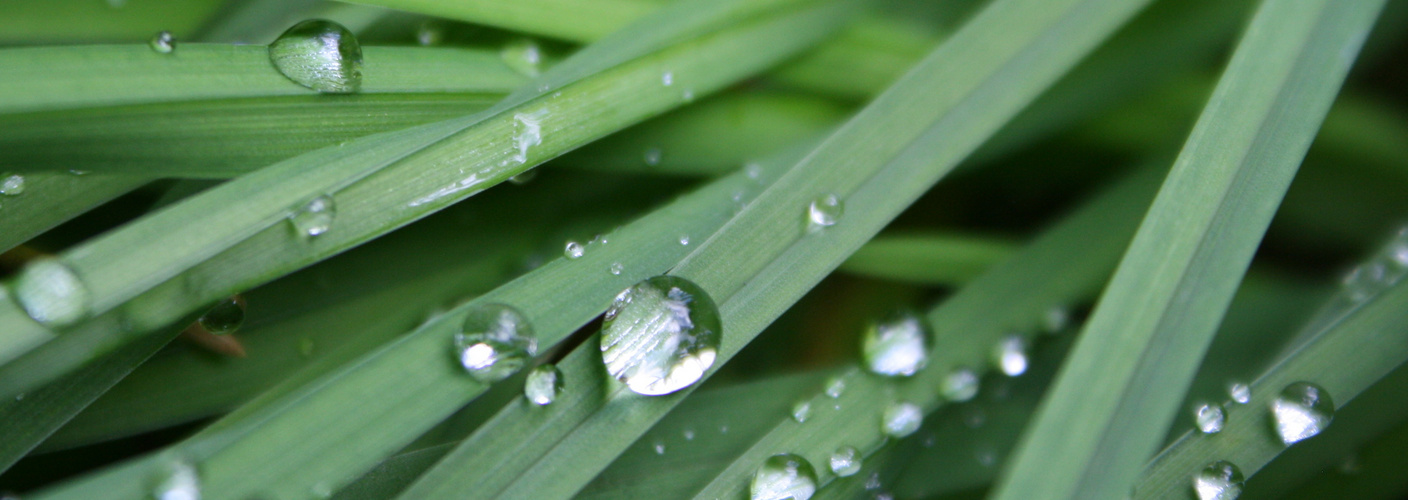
{"points": [[51, 293], [226, 317], [1220, 480], [1239, 392], [495, 342], [845, 461], [574, 250], [1011, 355], [177, 480], [824, 211], [1301, 411], [960, 385], [896, 347], [315, 217], [523, 56], [1210, 417], [660, 335], [544, 383], [902, 419], [801, 411], [12, 184], [321, 55], [835, 387], [163, 42], [784, 477]]}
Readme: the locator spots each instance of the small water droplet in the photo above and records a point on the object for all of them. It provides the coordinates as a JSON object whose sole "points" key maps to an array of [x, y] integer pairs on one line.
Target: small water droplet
{"points": [[688, 434], [315, 217], [51, 293], [574, 250], [660, 335], [684, 239], [78, 172], [599, 239], [12, 185], [902, 419], [524, 178], [527, 132], [801, 411], [616, 268], [845, 461], [543, 385], [319, 54], [1239, 392], [872, 483], [960, 385], [824, 211], [667, 78], [163, 42], [225, 317], [494, 342], [1220, 480], [835, 387], [782, 477], [524, 56], [1055, 319], [177, 480], [652, 156], [753, 170], [1011, 355], [723, 429], [1301, 411], [1209, 417], [659, 448], [985, 454], [19, 397], [430, 33], [896, 347]]}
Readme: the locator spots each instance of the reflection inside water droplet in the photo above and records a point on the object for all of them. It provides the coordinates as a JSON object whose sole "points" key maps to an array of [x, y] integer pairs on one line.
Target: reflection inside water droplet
{"points": [[784, 476], [660, 335]]}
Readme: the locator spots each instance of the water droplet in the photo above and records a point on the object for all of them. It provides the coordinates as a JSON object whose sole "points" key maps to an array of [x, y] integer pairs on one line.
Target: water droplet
{"points": [[51, 293], [12, 185], [896, 347], [684, 239], [543, 385], [659, 448], [873, 482], [688, 434], [163, 42], [1209, 417], [319, 54], [1011, 355], [19, 397], [1301, 411], [226, 317], [495, 342], [687, 95], [177, 480], [616, 268], [1056, 319], [801, 411], [723, 429], [78, 172], [315, 217], [753, 170], [523, 56], [845, 461], [784, 476], [574, 250], [660, 335], [599, 239], [835, 387], [824, 211], [1220, 480], [523, 178], [430, 33], [960, 385], [1239, 392], [527, 132], [985, 454], [667, 78], [902, 419], [652, 156]]}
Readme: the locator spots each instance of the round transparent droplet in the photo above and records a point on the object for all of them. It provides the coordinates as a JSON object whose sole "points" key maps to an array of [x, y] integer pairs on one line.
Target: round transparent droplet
{"points": [[51, 293], [660, 335], [960, 385], [524, 178], [835, 387], [1239, 392], [824, 211], [524, 56], [659, 448], [653, 156], [1301, 411], [225, 317], [896, 347], [667, 78], [1010, 355], [901, 419], [616, 268], [684, 239], [163, 42], [430, 33], [176, 480], [315, 217], [543, 385], [321, 55], [574, 250], [688, 434], [12, 184], [1220, 480], [1209, 417], [784, 477], [845, 461], [801, 411], [496, 341]]}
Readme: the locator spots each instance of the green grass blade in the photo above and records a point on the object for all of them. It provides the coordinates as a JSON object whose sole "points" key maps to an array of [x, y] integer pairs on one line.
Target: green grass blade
{"points": [[51, 199], [573, 20], [84, 21], [934, 258], [1117, 392]]}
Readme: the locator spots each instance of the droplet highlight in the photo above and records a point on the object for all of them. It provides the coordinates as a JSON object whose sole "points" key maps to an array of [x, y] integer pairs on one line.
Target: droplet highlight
{"points": [[321, 55], [225, 317], [1220, 480], [51, 293], [574, 250], [1010, 355], [896, 347], [177, 480], [902, 419], [784, 477], [660, 335], [163, 43], [543, 385], [1301, 411], [494, 342], [845, 461], [824, 211]]}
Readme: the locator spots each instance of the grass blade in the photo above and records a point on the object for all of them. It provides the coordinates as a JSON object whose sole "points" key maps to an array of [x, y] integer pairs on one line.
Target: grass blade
{"points": [[927, 258], [1117, 392], [51, 199]]}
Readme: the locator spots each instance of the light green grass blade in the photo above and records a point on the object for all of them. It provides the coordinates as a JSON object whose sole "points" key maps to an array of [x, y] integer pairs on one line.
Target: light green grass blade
{"points": [[51, 199], [755, 281], [935, 258], [1117, 392], [85, 21], [386, 180]]}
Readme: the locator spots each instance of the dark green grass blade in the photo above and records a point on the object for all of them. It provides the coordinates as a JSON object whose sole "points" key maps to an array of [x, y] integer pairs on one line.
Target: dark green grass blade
{"points": [[927, 258]]}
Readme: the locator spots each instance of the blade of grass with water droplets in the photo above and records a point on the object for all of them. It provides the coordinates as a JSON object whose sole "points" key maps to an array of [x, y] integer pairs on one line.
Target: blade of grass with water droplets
{"points": [[1118, 390], [50, 199]]}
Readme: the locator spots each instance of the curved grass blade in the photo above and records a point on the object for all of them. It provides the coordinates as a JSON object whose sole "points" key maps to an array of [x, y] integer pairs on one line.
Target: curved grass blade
{"points": [[51, 199], [934, 258], [231, 237], [1118, 389]]}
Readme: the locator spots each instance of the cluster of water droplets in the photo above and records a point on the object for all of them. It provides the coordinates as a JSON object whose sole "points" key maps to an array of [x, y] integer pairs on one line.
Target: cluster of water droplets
{"points": [[495, 341], [784, 477], [660, 335], [898, 346], [321, 55], [225, 317]]}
